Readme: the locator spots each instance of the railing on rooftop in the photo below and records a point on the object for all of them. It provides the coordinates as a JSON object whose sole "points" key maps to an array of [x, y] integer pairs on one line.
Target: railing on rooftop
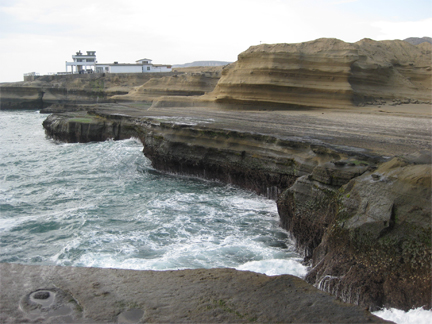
{"points": [[31, 74]]}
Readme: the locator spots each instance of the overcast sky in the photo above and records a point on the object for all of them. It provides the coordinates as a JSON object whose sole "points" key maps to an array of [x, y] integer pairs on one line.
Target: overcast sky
{"points": [[40, 35]]}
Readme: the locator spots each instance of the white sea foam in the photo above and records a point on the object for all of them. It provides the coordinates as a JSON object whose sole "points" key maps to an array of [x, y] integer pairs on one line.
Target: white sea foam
{"points": [[102, 205], [275, 267], [413, 316]]}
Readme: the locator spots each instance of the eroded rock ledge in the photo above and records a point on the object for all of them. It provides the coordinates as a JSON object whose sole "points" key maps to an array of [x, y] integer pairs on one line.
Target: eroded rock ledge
{"points": [[362, 220]]}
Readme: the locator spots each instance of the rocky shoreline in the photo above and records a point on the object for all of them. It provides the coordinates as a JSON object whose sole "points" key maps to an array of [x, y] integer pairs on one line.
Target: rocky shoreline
{"points": [[337, 134], [349, 208]]}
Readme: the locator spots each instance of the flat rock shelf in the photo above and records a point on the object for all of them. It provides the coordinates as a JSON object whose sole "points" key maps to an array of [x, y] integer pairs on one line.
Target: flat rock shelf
{"points": [[35, 294]]}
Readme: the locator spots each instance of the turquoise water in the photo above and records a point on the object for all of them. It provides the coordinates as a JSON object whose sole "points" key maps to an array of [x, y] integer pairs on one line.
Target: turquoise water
{"points": [[103, 205]]}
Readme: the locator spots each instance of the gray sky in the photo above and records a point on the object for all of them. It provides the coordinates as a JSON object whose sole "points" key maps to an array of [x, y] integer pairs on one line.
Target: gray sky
{"points": [[39, 36]]}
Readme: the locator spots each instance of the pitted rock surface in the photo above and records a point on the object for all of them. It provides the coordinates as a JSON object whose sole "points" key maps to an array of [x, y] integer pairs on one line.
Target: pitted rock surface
{"points": [[50, 305], [93, 295]]}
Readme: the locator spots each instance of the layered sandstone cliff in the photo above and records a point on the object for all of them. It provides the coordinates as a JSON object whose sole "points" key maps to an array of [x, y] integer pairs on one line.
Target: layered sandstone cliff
{"points": [[43, 91], [188, 84], [325, 73], [391, 70], [305, 74]]}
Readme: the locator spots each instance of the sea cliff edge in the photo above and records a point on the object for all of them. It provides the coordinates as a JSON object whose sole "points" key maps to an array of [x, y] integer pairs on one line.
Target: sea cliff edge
{"points": [[338, 134]]}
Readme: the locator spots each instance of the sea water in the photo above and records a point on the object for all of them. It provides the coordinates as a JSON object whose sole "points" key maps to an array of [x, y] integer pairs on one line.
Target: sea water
{"points": [[103, 205]]}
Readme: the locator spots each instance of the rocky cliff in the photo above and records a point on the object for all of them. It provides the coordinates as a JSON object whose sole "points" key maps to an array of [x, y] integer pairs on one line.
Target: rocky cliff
{"points": [[351, 184], [43, 91], [360, 218], [391, 70], [325, 73], [188, 84], [369, 240]]}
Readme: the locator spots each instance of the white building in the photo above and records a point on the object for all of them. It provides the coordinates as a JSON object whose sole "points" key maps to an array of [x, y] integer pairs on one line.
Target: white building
{"points": [[141, 66], [82, 63], [88, 64]]}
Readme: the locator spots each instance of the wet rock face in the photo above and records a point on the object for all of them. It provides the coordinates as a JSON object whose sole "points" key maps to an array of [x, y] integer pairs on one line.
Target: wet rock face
{"points": [[369, 240], [308, 207], [264, 164], [306, 210], [83, 127], [213, 155]]}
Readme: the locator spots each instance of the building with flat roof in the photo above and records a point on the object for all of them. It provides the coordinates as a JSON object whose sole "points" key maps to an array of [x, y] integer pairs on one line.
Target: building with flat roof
{"points": [[140, 66], [82, 63], [88, 64]]}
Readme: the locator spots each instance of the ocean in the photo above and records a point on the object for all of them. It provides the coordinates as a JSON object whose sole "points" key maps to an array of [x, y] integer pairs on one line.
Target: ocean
{"points": [[103, 205]]}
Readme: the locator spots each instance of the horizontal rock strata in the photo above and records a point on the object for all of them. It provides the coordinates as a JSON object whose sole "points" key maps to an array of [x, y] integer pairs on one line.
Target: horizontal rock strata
{"points": [[388, 70], [70, 89], [326, 73], [16, 97], [190, 84], [294, 74], [262, 163]]}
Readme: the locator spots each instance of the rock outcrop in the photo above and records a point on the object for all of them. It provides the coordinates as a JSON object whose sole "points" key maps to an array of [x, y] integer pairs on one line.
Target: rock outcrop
{"points": [[43, 91], [31, 294], [363, 224], [188, 84], [325, 73], [361, 219], [309, 74], [83, 127], [368, 241], [389, 70], [14, 96]]}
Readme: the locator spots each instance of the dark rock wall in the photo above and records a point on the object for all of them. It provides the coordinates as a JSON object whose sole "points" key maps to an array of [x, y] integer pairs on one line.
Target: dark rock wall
{"points": [[15, 97], [83, 128], [368, 241]]}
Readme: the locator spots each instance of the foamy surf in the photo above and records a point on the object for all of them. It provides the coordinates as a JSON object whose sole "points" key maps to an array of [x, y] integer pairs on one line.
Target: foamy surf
{"points": [[275, 267], [102, 205], [413, 316]]}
